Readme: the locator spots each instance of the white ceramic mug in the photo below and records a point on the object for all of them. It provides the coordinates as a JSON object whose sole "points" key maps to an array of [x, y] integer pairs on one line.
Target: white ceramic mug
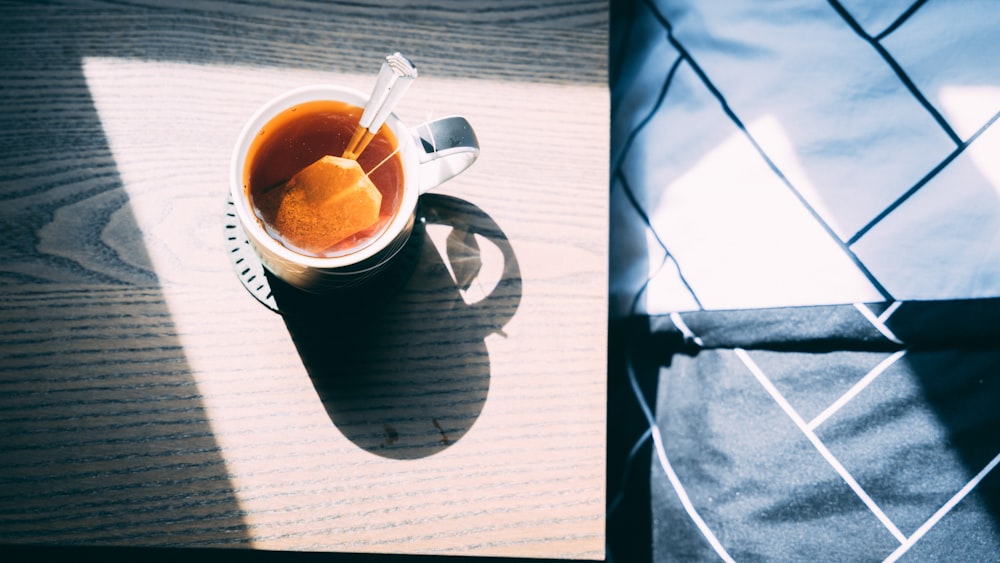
{"points": [[430, 153]]}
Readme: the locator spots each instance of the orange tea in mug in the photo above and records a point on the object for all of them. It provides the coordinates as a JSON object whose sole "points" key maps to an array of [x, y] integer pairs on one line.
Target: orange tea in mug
{"points": [[324, 223], [309, 199]]}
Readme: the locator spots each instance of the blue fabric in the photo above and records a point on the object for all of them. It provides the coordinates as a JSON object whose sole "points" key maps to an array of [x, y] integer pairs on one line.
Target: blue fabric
{"points": [[778, 154], [805, 287]]}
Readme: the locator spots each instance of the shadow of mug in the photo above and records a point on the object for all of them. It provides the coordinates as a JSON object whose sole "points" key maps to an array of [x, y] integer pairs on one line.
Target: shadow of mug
{"points": [[401, 365]]}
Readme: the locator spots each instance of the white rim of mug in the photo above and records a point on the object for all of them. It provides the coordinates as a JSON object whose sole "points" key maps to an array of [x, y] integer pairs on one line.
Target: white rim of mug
{"points": [[269, 111]]}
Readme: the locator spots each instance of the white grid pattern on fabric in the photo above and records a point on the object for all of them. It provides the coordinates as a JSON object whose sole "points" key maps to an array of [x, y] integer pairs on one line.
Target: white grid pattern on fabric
{"points": [[808, 430]]}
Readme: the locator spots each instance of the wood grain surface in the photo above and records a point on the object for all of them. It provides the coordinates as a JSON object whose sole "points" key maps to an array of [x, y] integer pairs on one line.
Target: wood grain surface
{"points": [[148, 399]]}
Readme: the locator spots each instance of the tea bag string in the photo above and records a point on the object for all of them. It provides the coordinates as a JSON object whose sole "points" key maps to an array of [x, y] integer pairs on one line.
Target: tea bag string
{"points": [[394, 78], [384, 160]]}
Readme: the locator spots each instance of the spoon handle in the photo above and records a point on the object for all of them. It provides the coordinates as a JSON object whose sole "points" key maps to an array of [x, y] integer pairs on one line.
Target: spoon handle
{"points": [[394, 78]]}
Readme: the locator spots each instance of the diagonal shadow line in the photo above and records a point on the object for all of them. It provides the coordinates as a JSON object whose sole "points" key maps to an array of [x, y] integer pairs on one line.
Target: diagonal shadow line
{"points": [[105, 436]]}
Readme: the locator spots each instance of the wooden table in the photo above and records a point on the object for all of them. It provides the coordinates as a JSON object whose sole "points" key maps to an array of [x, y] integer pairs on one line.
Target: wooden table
{"points": [[148, 399]]}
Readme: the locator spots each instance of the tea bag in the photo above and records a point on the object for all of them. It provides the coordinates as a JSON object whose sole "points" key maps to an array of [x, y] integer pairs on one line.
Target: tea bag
{"points": [[323, 204]]}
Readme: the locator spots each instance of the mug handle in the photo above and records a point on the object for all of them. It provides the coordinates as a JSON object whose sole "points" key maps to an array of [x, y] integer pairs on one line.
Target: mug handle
{"points": [[446, 147]]}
